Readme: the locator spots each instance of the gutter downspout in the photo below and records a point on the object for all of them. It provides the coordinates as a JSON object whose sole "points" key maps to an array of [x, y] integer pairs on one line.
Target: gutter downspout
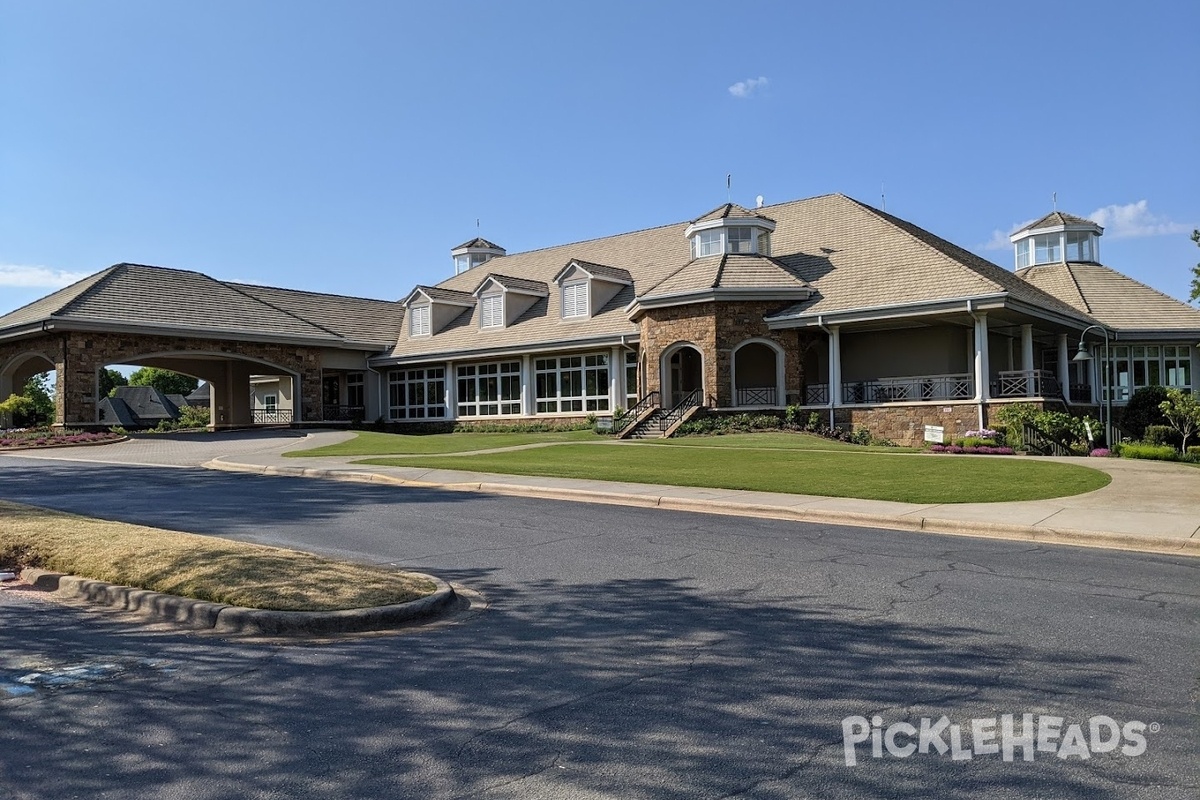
{"points": [[821, 325], [982, 380]]}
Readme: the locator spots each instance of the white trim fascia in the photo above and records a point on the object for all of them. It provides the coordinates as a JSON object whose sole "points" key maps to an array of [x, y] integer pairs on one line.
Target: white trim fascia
{"points": [[495, 252], [1060, 228], [159, 329], [591, 276], [716, 295], [1051, 316], [876, 313], [490, 279], [407, 302], [562, 346], [729, 222], [31, 329], [1133, 336]]}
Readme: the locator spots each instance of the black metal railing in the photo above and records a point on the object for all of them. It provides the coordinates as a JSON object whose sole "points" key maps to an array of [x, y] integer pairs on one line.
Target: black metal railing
{"points": [[1081, 393], [332, 413], [689, 401], [757, 396], [271, 416], [816, 394], [1041, 443], [641, 407]]}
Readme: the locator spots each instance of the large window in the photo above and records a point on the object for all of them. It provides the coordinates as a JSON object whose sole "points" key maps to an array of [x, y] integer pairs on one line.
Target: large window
{"points": [[575, 299], [1132, 367], [1079, 246], [488, 390], [572, 384], [491, 311], [1024, 254], [416, 393], [1048, 249], [418, 321]]}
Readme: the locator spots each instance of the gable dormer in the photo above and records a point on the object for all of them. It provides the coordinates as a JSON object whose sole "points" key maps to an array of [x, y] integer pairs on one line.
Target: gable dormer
{"points": [[469, 255], [584, 287], [730, 229], [429, 309], [1057, 238], [503, 299]]}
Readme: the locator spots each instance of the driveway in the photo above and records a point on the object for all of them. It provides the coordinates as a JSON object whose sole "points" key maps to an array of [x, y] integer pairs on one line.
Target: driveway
{"points": [[622, 653]]}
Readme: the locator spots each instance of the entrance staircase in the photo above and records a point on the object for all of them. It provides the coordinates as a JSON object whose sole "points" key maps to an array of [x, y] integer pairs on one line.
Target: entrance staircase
{"points": [[648, 420]]}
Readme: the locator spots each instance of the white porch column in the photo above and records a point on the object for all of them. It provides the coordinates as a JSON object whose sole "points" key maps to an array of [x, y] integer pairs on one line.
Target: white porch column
{"points": [[528, 401], [982, 367], [616, 379], [451, 391], [835, 370], [1027, 348], [1064, 367]]}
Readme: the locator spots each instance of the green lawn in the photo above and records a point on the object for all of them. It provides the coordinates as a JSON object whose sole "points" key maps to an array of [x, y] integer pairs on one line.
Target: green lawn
{"points": [[371, 443], [773, 441], [912, 478]]}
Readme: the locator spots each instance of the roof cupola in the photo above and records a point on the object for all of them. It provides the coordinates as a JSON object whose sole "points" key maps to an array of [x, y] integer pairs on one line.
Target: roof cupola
{"points": [[469, 255], [1057, 238]]}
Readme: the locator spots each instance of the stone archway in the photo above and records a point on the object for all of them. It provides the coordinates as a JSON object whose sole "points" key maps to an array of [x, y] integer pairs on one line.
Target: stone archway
{"points": [[18, 368], [757, 374], [682, 372]]}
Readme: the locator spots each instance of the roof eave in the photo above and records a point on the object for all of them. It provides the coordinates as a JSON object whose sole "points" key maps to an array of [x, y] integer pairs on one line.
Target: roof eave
{"points": [[875, 313], [717, 295], [171, 330], [557, 345]]}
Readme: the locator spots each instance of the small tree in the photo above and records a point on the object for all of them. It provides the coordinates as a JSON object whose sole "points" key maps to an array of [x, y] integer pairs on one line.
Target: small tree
{"points": [[16, 404], [164, 380], [1182, 410], [110, 379], [39, 392]]}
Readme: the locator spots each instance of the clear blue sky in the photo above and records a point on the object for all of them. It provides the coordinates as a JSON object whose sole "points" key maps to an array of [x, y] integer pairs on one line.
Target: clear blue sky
{"points": [[346, 147]]}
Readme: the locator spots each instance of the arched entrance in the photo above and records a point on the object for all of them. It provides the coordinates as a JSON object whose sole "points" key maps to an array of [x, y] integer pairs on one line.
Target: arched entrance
{"points": [[16, 372], [757, 373], [682, 372]]}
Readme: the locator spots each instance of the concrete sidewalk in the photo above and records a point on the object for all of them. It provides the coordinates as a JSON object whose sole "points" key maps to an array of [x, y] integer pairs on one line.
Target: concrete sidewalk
{"points": [[1149, 506]]}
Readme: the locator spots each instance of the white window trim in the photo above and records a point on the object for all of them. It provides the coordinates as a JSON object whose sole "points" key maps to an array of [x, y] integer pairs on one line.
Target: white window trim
{"points": [[581, 310], [419, 320], [464, 405], [434, 407], [496, 313], [599, 402]]}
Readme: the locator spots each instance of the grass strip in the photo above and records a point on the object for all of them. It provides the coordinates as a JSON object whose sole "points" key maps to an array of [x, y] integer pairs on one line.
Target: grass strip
{"points": [[190, 565], [373, 443], [915, 478]]}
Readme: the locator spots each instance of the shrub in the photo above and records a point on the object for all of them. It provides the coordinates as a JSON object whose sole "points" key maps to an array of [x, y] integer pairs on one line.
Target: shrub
{"points": [[1182, 410], [861, 436], [1193, 451], [1101, 452], [1156, 452], [814, 421], [1143, 411], [1161, 434]]}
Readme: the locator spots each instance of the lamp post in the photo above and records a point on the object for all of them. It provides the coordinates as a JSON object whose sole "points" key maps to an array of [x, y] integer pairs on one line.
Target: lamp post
{"points": [[1084, 355]]}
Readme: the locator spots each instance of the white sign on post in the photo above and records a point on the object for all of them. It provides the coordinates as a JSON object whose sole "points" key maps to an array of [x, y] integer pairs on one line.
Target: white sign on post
{"points": [[935, 433]]}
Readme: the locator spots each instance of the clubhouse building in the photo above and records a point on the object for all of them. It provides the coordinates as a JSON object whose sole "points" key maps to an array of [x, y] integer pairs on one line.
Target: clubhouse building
{"points": [[824, 303]]}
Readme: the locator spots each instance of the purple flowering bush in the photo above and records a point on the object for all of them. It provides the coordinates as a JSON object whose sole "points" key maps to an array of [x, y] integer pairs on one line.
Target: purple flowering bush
{"points": [[983, 450], [43, 437], [1101, 452]]}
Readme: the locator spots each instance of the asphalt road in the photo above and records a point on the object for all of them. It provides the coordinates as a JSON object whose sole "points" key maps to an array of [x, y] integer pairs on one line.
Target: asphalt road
{"points": [[623, 653]]}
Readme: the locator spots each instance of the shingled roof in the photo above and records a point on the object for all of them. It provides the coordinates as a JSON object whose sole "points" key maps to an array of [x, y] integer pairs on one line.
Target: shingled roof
{"points": [[139, 297], [1055, 218], [1114, 300]]}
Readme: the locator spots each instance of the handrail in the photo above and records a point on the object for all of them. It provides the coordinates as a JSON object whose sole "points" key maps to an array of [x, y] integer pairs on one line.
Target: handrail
{"points": [[690, 401], [645, 404], [1038, 440]]}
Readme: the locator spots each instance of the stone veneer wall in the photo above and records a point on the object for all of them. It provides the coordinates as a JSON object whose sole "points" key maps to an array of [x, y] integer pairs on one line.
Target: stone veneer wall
{"points": [[905, 425], [77, 357], [716, 329]]}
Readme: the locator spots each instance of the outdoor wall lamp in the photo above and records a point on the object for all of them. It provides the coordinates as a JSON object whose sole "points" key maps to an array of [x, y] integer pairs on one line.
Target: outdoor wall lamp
{"points": [[1084, 355]]}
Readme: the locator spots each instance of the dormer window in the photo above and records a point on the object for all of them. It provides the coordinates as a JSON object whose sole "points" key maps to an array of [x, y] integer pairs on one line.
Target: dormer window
{"points": [[730, 229], [418, 321], [491, 311], [575, 299], [1055, 239]]}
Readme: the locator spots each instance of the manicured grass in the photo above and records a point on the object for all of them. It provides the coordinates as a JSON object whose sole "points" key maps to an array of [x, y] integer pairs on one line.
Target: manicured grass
{"points": [[772, 440], [200, 567], [913, 478], [371, 443]]}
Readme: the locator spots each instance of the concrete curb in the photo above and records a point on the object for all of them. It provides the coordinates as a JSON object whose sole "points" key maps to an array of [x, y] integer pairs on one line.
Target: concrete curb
{"points": [[222, 618], [988, 530]]}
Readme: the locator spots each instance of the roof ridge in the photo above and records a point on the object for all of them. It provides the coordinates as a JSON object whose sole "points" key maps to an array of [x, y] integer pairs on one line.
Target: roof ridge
{"points": [[1078, 289], [285, 312], [720, 270], [668, 277], [239, 284], [112, 272], [90, 277]]}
